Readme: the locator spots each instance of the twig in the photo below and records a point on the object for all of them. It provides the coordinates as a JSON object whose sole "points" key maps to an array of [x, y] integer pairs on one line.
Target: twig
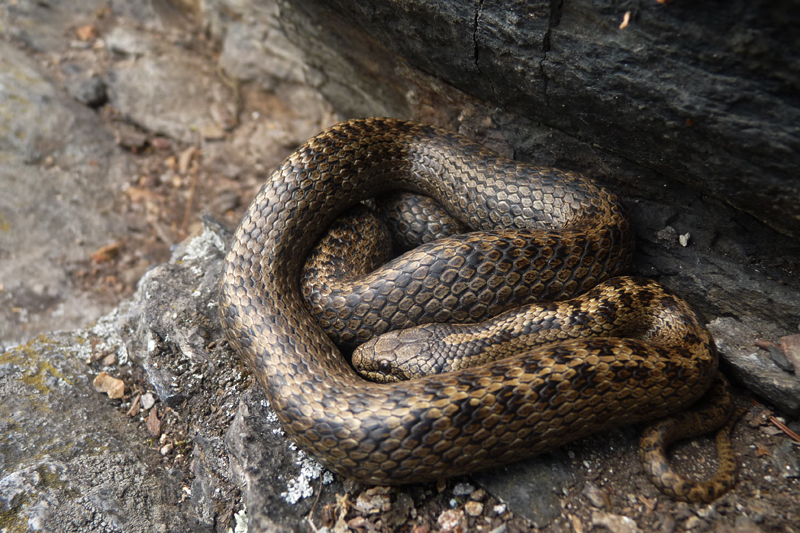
{"points": [[777, 423], [311, 512]]}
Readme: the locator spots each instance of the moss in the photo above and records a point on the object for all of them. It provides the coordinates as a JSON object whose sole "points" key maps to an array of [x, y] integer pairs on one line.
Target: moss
{"points": [[52, 480], [5, 225], [13, 521], [34, 363]]}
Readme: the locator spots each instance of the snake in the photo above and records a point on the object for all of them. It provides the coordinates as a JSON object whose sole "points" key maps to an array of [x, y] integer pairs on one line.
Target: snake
{"points": [[541, 234]]}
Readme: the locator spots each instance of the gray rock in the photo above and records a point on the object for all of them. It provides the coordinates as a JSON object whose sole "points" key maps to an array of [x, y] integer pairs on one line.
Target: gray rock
{"points": [[262, 53], [151, 14], [90, 91], [780, 360], [174, 312], [128, 42], [46, 26], [88, 472], [674, 91], [162, 91], [753, 366], [786, 459], [279, 481], [532, 487], [60, 174]]}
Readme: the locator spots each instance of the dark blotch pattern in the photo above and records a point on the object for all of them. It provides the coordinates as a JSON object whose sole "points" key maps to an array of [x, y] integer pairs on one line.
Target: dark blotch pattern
{"points": [[576, 235]]}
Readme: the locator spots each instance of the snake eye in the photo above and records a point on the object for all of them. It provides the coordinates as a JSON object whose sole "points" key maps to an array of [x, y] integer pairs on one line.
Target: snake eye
{"points": [[385, 367]]}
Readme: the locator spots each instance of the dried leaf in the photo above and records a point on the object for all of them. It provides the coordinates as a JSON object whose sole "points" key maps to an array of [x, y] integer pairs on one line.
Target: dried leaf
{"points": [[185, 158], [153, 423], [107, 252], [87, 33], [137, 194], [115, 388]]}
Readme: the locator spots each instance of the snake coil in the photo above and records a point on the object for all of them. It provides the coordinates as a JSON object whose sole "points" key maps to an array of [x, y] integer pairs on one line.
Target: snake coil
{"points": [[545, 234]]}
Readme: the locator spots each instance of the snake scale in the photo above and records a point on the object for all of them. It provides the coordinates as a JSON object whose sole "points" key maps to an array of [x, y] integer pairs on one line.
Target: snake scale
{"points": [[565, 234]]}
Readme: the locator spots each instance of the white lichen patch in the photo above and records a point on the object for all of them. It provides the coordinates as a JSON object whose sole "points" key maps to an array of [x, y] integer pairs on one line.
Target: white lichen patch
{"points": [[106, 329], [300, 487], [201, 249], [241, 522], [272, 418]]}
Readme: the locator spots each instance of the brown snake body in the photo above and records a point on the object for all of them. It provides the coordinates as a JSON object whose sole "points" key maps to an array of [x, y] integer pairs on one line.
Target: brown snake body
{"points": [[578, 235]]}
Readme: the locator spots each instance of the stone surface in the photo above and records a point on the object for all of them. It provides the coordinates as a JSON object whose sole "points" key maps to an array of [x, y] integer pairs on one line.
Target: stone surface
{"points": [[59, 172], [753, 366], [531, 487], [168, 327], [699, 95], [159, 90], [68, 461], [280, 482]]}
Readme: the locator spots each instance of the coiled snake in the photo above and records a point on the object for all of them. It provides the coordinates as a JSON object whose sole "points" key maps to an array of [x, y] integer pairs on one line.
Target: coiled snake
{"points": [[555, 235]]}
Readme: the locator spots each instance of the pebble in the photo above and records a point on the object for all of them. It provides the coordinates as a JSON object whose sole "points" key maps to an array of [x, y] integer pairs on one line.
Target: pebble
{"points": [[478, 495], [147, 401], [790, 347], [615, 523], [450, 520], [665, 523], [90, 91], [473, 508], [692, 522], [780, 359], [745, 524], [595, 495], [462, 489]]}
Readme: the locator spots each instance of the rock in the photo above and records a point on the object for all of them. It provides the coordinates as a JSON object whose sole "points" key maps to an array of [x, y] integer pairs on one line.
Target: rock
{"points": [[60, 174], [128, 42], [451, 520], [615, 523], [174, 312], [90, 91], [786, 459], [745, 524], [150, 14], [790, 349], [129, 136], [162, 92], [473, 508], [663, 101], [261, 52], [753, 366], [278, 480], [780, 359], [46, 26], [532, 487], [463, 489], [596, 496], [89, 471]]}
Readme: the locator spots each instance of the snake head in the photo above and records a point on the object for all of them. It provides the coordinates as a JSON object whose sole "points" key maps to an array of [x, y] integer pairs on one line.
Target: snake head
{"points": [[396, 356]]}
